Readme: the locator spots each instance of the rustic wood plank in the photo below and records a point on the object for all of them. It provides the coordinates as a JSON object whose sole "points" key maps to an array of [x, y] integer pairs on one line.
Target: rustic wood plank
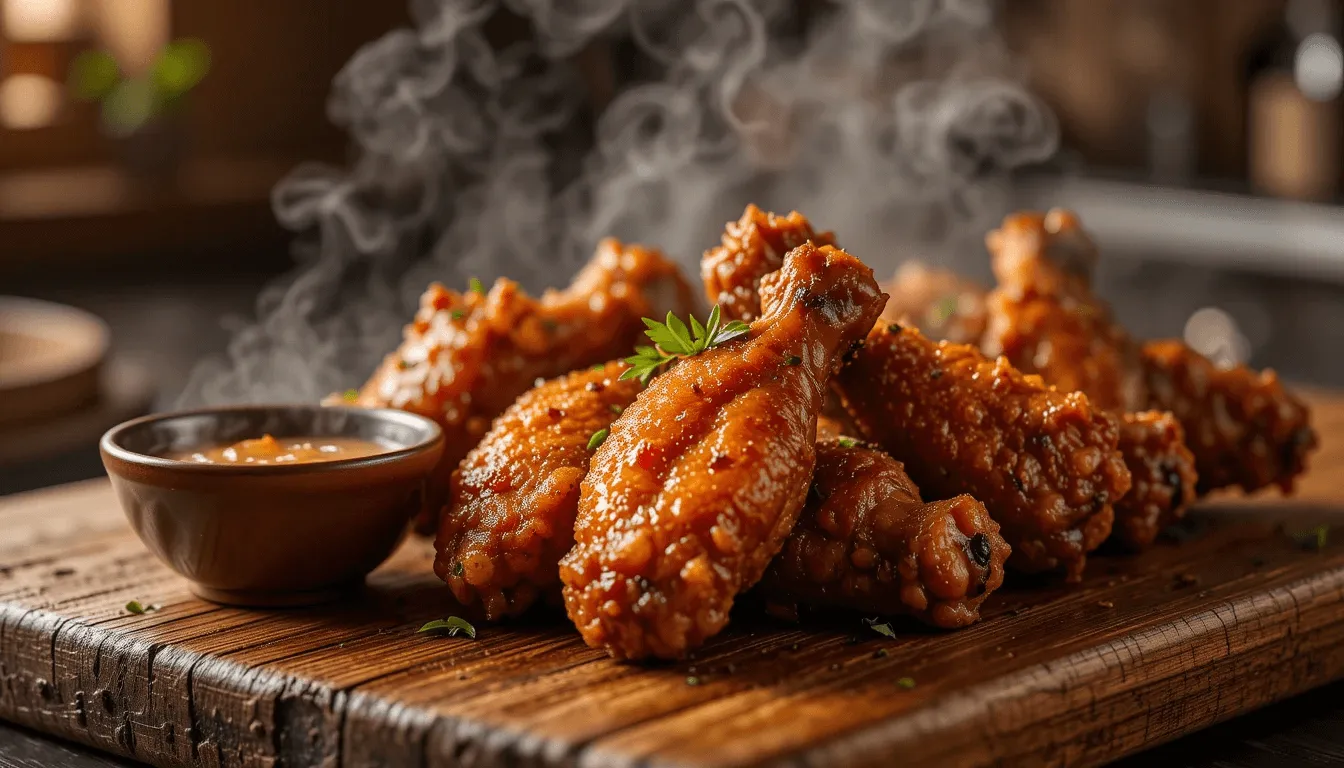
{"points": [[1146, 649]]}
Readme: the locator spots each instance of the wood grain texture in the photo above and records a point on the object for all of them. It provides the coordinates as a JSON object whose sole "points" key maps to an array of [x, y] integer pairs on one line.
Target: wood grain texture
{"points": [[1148, 648]]}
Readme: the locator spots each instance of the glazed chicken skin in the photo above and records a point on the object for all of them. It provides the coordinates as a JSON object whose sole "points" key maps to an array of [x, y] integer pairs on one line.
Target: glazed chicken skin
{"points": [[865, 541], [1243, 427], [511, 514], [751, 248], [1046, 320], [1043, 462], [940, 303], [703, 477], [467, 356]]}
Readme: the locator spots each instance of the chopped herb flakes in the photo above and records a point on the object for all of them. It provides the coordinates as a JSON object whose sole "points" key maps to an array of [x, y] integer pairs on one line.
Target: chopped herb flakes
{"points": [[136, 607], [457, 314], [793, 360], [692, 680], [457, 569], [476, 285], [616, 409], [350, 395], [882, 628], [847, 442], [908, 683], [450, 626], [597, 438], [672, 340]]}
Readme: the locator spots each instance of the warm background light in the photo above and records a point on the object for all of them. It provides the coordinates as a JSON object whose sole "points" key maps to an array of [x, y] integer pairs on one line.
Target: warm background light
{"points": [[29, 101], [40, 20], [133, 30]]}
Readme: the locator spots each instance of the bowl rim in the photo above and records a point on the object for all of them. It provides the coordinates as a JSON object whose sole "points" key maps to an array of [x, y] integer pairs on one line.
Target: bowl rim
{"points": [[110, 447]]}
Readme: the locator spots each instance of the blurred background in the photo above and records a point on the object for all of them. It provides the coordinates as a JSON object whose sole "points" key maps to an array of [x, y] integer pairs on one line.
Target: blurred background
{"points": [[1202, 142]]}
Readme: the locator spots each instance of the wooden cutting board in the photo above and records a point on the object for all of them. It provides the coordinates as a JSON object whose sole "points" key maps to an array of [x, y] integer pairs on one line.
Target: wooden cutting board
{"points": [[1239, 614]]}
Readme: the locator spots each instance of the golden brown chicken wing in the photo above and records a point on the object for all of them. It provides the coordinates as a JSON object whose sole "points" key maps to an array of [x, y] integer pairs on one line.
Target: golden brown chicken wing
{"points": [[467, 356], [514, 497], [1243, 427], [1045, 319], [1043, 462], [940, 303], [702, 478], [865, 541], [751, 248]]}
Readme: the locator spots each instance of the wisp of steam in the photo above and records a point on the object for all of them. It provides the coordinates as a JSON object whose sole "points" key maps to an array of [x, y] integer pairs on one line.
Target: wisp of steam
{"points": [[507, 138]]}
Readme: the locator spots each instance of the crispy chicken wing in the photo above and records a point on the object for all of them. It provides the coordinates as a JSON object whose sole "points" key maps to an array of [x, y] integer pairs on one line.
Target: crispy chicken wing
{"points": [[865, 541], [1043, 462], [1244, 428], [751, 248], [467, 356], [514, 497], [939, 302], [1045, 319], [702, 478]]}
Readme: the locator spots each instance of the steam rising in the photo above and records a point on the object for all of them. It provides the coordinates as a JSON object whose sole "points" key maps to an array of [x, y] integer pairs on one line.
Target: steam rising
{"points": [[893, 122]]}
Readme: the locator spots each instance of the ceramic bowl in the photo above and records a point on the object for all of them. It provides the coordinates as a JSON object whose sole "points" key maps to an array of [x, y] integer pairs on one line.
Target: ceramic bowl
{"points": [[280, 534]]}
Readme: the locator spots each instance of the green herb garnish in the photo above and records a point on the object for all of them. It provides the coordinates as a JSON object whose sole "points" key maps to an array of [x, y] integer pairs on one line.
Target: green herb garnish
{"points": [[616, 409], [882, 628], [457, 314], [673, 340], [942, 311], [136, 607], [599, 367], [793, 360], [457, 569], [476, 286], [847, 442], [350, 395], [907, 683], [692, 680], [597, 438], [450, 626]]}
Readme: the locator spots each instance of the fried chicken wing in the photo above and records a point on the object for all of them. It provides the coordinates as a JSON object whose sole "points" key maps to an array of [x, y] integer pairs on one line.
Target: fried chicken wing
{"points": [[939, 302], [704, 475], [467, 356], [1046, 320], [751, 248], [865, 541], [1043, 462], [514, 497], [1244, 428]]}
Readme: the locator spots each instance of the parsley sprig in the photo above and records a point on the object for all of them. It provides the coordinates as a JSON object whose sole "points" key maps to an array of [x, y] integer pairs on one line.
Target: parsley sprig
{"points": [[672, 340]]}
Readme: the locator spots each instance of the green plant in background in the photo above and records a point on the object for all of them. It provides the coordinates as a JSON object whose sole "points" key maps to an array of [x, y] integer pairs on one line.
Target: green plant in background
{"points": [[130, 102]]}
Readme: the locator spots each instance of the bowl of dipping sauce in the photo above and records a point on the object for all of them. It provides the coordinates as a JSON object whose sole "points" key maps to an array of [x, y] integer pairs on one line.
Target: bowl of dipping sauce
{"points": [[273, 505]]}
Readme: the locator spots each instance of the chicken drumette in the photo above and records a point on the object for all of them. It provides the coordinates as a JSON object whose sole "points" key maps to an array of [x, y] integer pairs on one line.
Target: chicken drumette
{"points": [[511, 514], [751, 248], [467, 356], [865, 541], [704, 475], [940, 303], [1045, 319]]}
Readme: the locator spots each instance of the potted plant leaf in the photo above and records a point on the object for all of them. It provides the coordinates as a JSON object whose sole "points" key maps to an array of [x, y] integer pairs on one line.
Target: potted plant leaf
{"points": [[141, 112]]}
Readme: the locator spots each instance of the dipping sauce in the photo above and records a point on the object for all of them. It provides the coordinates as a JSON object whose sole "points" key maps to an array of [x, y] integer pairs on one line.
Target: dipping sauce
{"points": [[290, 450]]}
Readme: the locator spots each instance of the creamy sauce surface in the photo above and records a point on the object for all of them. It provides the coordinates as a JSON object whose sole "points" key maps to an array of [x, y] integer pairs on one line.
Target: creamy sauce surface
{"points": [[290, 450]]}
